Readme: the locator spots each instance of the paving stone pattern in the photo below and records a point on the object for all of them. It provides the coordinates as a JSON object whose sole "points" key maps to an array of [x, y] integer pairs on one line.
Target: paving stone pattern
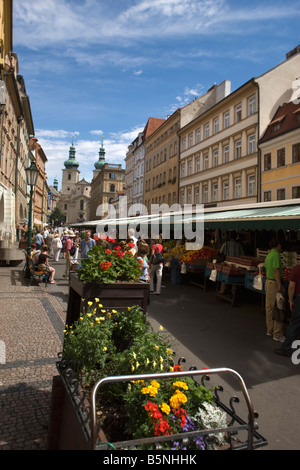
{"points": [[31, 325]]}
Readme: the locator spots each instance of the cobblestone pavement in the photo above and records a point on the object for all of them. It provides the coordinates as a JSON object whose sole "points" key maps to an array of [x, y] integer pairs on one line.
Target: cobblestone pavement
{"points": [[31, 325]]}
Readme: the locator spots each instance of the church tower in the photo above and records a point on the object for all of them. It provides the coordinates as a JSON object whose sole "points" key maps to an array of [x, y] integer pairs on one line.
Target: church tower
{"points": [[70, 173], [101, 162]]}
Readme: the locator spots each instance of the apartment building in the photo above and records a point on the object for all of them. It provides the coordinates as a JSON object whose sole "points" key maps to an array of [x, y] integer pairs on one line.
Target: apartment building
{"points": [[280, 155], [161, 163], [218, 160]]}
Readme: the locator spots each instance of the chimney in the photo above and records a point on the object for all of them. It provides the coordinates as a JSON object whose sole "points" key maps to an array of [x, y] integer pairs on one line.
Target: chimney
{"points": [[293, 52]]}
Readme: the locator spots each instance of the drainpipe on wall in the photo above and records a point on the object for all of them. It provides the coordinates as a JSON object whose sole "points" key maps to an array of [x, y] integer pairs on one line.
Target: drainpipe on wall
{"points": [[258, 150]]}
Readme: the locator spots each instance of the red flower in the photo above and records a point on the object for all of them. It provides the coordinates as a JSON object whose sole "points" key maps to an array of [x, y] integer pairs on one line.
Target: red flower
{"points": [[108, 252], [120, 254], [128, 253], [111, 240], [105, 265], [131, 245], [162, 427], [178, 368], [153, 410], [117, 248]]}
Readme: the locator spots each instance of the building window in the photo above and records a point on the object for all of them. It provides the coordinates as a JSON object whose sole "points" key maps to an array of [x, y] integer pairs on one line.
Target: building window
{"points": [[205, 195], [198, 136], [183, 170], [112, 176], [182, 198], [238, 113], [225, 190], [189, 196], [280, 158], [237, 188], [184, 143], [296, 192], [197, 165], [216, 125], [216, 158], [238, 149], [81, 205], [191, 140], [267, 196], [251, 105], [226, 154], [197, 194], [207, 131], [251, 185], [281, 194], [215, 193], [226, 120], [112, 188], [206, 162], [251, 144], [296, 153], [66, 207], [190, 168], [69, 176], [267, 161]]}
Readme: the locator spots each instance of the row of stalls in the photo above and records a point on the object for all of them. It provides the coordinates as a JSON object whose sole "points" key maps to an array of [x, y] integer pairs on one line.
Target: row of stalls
{"points": [[252, 226]]}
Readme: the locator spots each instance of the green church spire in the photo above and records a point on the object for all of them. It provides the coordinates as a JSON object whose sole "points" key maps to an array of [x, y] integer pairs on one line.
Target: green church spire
{"points": [[101, 162], [71, 163]]}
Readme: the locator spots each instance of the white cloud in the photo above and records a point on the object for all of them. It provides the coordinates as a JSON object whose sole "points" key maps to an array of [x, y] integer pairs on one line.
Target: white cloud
{"points": [[138, 72], [97, 132]]}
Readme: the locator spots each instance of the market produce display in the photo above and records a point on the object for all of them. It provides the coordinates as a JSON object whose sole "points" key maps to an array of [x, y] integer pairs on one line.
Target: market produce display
{"points": [[198, 256]]}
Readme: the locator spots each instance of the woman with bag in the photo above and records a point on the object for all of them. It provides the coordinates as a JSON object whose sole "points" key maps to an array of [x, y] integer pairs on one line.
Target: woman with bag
{"points": [[56, 246], [156, 266]]}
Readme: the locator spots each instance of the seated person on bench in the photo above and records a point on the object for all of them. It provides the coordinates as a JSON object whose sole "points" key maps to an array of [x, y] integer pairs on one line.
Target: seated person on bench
{"points": [[43, 263]]}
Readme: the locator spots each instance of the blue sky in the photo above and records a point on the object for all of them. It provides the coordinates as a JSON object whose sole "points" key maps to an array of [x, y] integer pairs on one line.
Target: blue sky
{"points": [[99, 67]]}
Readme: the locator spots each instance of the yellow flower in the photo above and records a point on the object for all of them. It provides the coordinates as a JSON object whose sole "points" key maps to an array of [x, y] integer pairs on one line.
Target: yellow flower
{"points": [[177, 399], [108, 315], [90, 303], [161, 328], [169, 351], [96, 299], [147, 361], [156, 347], [100, 305], [161, 359], [152, 391], [129, 309], [181, 385], [137, 364], [171, 369], [132, 369], [134, 355], [81, 318], [155, 384], [102, 318], [89, 314], [105, 348], [103, 311], [70, 327], [65, 331], [165, 408], [154, 364]]}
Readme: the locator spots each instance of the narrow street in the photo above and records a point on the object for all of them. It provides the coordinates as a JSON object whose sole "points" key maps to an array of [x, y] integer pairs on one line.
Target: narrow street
{"points": [[205, 330]]}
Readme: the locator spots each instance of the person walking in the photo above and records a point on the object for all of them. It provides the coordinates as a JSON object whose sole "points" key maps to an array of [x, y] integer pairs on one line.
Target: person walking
{"points": [[86, 244], [39, 240], [56, 246], [68, 246], [274, 276], [293, 329], [156, 266]]}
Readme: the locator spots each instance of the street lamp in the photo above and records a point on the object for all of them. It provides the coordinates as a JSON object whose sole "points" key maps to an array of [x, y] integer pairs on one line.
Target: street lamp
{"points": [[31, 177]]}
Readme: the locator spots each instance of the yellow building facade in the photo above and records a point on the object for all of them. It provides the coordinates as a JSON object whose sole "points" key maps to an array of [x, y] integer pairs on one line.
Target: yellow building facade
{"points": [[280, 156]]}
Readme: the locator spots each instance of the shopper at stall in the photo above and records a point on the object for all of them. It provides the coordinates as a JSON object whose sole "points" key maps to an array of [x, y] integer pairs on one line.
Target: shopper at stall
{"points": [[274, 276], [156, 266], [293, 330]]}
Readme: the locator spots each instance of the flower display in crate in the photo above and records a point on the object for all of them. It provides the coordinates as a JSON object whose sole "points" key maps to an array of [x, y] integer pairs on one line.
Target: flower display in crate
{"points": [[109, 266], [105, 343]]}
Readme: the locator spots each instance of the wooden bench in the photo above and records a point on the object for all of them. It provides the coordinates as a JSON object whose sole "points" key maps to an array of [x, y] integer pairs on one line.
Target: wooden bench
{"points": [[36, 273]]}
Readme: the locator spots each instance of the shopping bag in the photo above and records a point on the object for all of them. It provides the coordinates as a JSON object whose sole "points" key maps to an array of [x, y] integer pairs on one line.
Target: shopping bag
{"points": [[213, 275]]}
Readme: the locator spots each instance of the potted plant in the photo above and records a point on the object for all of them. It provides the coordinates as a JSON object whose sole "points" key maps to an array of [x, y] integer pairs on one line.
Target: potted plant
{"points": [[106, 343], [110, 274]]}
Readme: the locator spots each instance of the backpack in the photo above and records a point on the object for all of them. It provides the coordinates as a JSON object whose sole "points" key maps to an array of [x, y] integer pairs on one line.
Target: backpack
{"points": [[157, 258], [72, 251]]}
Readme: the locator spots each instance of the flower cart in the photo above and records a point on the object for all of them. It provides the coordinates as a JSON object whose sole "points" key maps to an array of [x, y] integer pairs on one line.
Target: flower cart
{"points": [[119, 388]]}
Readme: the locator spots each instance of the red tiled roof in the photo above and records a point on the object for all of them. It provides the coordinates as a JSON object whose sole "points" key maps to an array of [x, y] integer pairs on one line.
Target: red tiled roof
{"points": [[152, 125], [286, 119]]}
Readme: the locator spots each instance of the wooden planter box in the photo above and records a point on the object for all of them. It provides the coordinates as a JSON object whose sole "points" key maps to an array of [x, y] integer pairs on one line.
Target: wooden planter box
{"points": [[117, 296]]}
